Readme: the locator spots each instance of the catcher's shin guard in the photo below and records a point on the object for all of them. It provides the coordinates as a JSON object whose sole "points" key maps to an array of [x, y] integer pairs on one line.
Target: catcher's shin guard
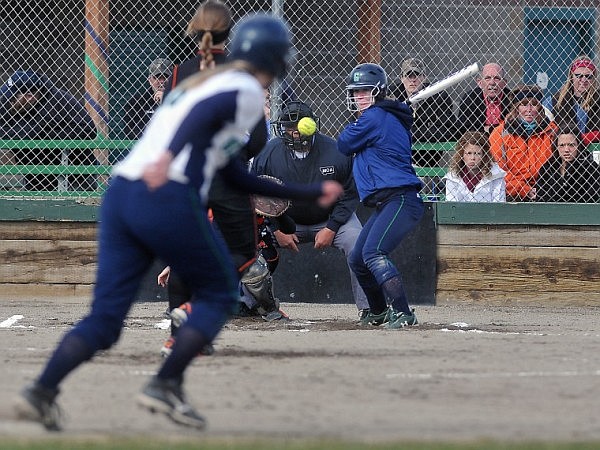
{"points": [[257, 279]]}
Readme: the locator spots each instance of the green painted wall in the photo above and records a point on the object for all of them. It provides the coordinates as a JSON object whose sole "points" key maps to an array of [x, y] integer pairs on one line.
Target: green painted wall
{"points": [[445, 212]]}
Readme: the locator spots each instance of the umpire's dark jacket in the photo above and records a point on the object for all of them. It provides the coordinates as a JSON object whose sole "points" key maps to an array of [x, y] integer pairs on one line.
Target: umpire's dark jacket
{"points": [[324, 162]]}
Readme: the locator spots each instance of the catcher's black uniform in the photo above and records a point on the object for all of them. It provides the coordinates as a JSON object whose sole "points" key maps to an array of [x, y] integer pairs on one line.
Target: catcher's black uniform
{"points": [[233, 211]]}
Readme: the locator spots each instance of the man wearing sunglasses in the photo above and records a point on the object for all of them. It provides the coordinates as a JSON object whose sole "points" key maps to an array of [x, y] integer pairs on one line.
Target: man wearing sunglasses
{"points": [[433, 118]]}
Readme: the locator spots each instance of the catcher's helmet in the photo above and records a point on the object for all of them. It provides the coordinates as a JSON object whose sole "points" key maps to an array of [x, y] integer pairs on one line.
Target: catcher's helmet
{"points": [[287, 125], [264, 41], [364, 77]]}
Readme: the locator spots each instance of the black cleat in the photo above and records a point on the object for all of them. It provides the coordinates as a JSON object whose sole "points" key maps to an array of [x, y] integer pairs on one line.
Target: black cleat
{"points": [[37, 404], [167, 397]]}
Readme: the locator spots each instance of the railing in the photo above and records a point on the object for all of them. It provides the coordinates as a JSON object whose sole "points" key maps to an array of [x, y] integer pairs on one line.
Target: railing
{"points": [[107, 151], [438, 147], [111, 150]]}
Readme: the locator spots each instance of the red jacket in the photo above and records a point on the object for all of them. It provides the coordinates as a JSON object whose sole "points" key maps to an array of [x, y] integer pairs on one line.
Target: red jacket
{"points": [[521, 156]]}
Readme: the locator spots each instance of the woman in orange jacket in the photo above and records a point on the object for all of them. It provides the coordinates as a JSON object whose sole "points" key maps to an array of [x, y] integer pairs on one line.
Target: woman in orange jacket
{"points": [[523, 143]]}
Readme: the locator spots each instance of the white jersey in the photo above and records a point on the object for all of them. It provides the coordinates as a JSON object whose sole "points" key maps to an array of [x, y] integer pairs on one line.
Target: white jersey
{"points": [[204, 126]]}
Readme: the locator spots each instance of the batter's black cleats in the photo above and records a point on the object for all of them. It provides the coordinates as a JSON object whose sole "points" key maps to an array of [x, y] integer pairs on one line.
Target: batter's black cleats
{"points": [[167, 397], [399, 319], [37, 404], [375, 320], [362, 314]]}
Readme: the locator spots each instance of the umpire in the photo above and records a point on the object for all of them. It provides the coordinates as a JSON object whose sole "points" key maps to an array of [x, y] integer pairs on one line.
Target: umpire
{"points": [[297, 158]]}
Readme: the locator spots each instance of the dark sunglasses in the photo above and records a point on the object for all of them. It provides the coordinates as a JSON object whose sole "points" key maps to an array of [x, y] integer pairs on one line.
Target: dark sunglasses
{"points": [[587, 76]]}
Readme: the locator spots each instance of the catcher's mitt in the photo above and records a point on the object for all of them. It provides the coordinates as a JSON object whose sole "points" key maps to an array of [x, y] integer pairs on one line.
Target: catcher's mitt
{"points": [[270, 206]]}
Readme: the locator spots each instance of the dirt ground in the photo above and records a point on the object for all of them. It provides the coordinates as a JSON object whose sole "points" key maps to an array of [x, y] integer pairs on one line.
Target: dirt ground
{"points": [[467, 372]]}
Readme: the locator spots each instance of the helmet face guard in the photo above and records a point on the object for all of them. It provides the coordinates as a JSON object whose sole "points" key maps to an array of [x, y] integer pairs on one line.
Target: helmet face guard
{"points": [[351, 102], [286, 127], [365, 77]]}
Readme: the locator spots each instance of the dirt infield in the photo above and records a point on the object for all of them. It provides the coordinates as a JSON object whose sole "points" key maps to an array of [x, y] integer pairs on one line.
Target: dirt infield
{"points": [[467, 372]]}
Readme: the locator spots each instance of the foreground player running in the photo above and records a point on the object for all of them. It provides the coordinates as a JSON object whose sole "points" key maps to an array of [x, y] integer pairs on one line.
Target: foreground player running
{"points": [[156, 206]]}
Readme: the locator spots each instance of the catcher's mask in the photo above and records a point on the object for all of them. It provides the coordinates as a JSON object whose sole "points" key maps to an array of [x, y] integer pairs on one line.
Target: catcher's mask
{"points": [[287, 127]]}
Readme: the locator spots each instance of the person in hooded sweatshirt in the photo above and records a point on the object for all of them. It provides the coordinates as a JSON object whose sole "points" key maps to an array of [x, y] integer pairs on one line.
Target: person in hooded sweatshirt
{"points": [[571, 174], [433, 118], [32, 107], [380, 143], [474, 176]]}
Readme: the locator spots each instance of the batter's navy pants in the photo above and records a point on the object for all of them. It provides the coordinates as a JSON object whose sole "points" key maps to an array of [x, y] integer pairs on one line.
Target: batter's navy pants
{"points": [[395, 215]]}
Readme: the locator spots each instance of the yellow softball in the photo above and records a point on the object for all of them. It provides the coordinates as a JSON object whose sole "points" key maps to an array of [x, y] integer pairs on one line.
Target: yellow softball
{"points": [[307, 126]]}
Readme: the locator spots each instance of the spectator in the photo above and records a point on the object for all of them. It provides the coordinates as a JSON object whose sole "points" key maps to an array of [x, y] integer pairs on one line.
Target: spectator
{"points": [[140, 107], [474, 176], [577, 104], [523, 143], [293, 157], [434, 119], [209, 28], [483, 108], [32, 107], [571, 174]]}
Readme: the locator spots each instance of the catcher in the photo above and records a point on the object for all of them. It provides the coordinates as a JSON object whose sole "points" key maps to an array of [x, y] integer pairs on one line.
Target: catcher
{"points": [[256, 284], [233, 210]]}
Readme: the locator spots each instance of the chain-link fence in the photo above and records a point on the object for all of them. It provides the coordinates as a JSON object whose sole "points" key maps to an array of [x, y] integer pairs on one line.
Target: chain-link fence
{"points": [[78, 86]]}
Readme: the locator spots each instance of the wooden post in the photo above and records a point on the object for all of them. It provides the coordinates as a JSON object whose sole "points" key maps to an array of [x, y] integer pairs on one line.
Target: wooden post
{"points": [[96, 62], [369, 31]]}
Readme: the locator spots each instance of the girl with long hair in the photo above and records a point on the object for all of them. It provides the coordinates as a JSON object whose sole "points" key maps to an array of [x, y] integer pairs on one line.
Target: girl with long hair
{"points": [[473, 175]]}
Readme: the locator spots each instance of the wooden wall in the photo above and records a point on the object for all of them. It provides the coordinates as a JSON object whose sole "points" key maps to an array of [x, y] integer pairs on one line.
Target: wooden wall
{"points": [[496, 264], [505, 264], [47, 258]]}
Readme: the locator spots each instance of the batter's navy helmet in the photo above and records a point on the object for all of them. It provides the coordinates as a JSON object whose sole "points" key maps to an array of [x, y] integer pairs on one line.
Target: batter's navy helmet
{"points": [[366, 76]]}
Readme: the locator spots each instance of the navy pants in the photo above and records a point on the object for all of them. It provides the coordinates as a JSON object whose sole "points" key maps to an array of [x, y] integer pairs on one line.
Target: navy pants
{"points": [[396, 213], [170, 223]]}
